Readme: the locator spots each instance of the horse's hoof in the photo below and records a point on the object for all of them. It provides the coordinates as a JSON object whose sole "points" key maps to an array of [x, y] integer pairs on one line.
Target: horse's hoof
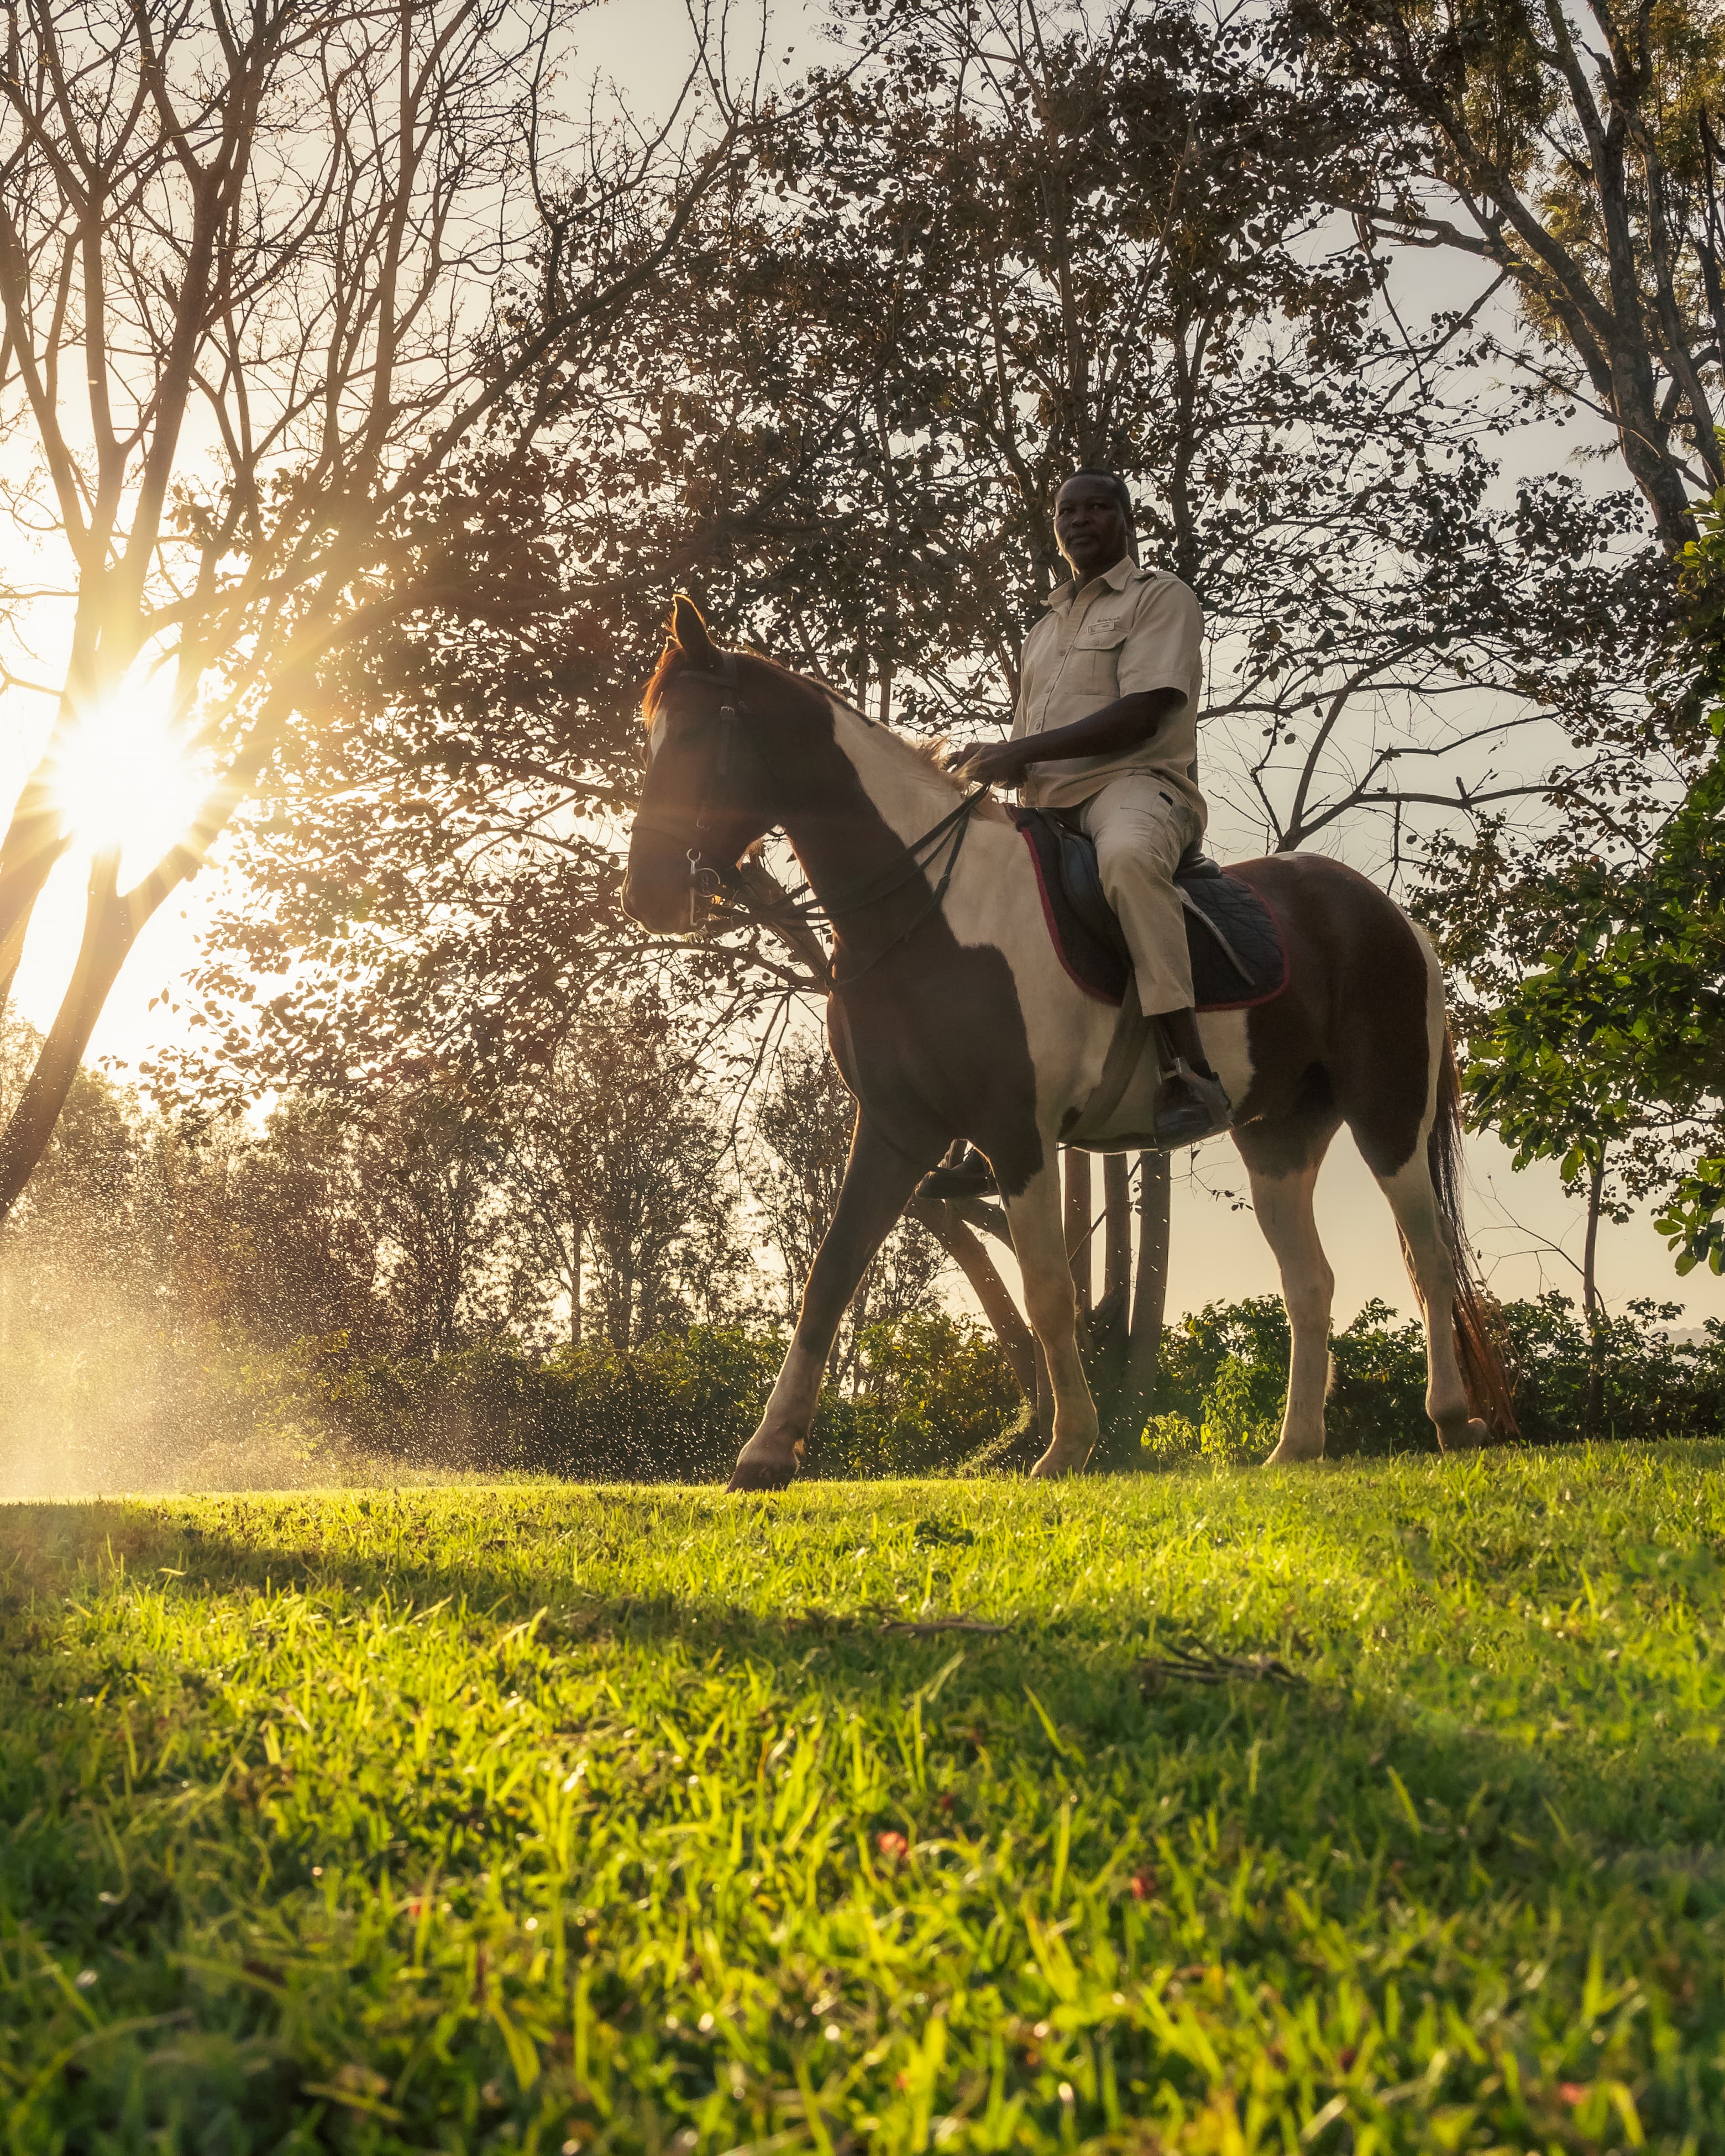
{"points": [[762, 1475], [1049, 1468], [1287, 1456], [1471, 1435]]}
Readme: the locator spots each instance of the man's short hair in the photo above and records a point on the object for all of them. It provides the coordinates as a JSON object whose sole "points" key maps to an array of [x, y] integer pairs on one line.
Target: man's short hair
{"points": [[1115, 484]]}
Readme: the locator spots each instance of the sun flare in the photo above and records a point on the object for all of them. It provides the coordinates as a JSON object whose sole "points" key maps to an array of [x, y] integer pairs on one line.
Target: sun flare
{"points": [[125, 776]]}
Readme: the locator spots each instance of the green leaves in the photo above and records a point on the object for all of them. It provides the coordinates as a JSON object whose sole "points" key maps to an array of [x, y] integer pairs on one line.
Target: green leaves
{"points": [[1609, 1039]]}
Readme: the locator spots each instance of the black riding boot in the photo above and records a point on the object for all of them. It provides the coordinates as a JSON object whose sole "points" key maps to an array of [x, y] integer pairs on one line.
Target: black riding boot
{"points": [[1191, 1105]]}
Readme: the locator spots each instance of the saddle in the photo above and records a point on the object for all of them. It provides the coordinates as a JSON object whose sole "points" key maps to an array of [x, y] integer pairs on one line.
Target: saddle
{"points": [[1235, 943]]}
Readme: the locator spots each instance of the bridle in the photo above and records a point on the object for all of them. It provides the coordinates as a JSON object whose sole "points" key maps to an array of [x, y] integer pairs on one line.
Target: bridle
{"points": [[710, 883], [714, 883]]}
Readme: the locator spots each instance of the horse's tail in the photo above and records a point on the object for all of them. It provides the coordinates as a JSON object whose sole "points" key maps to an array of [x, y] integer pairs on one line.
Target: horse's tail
{"points": [[1488, 1386]]}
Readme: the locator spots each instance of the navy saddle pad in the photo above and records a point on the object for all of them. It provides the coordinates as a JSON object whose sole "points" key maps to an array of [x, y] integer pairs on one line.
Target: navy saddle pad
{"points": [[1236, 948]]}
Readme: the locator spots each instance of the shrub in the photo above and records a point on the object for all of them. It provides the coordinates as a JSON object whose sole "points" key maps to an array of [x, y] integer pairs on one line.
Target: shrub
{"points": [[676, 1408], [679, 1407], [110, 1397], [1653, 1385], [1376, 1397], [932, 1391], [1224, 1377], [1253, 1334]]}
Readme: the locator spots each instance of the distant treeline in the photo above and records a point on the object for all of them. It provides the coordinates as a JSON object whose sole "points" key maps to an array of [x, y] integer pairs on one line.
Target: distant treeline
{"points": [[357, 1287]]}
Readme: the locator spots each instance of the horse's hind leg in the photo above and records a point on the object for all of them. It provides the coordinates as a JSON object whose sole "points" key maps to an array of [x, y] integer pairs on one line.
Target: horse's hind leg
{"points": [[1038, 1242], [1398, 1102], [1283, 1160], [878, 1181], [1429, 1248]]}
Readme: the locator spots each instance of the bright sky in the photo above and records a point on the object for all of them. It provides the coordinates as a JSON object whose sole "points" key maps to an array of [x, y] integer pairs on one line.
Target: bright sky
{"points": [[1526, 1231]]}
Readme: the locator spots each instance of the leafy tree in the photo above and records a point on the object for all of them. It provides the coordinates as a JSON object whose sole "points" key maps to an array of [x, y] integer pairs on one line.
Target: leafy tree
{"points": [[262, 275], [616, 1161], [1578, 165], [426, 1159], [1599, 970], [356, 1222], [1581, 169], [265, 1233]]}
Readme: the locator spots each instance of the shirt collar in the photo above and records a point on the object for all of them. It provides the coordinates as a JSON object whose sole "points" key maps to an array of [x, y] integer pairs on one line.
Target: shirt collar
{"points": [[1117, 579]]}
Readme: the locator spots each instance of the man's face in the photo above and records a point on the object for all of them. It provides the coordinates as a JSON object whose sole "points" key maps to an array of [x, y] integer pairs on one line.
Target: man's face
{"points": [[1090, 527]]}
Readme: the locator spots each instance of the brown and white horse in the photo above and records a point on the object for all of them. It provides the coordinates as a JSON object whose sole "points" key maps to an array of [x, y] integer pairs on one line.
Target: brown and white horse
{"points": [[952, 1017]]}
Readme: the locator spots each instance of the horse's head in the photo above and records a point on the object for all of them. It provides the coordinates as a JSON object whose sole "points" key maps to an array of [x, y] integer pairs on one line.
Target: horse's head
{"points": [[703, 803]]}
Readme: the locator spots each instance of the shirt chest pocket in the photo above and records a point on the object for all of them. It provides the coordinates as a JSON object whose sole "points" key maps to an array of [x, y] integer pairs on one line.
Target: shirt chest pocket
{"points": [[1093, 664]]}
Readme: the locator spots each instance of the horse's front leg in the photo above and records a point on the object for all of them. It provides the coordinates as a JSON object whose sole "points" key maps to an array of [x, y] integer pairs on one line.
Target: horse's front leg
{"points": [[1038, 1240], [878, 1183]]}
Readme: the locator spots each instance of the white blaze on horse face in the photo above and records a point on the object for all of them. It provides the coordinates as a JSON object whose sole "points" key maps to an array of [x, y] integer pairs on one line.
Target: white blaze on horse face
{"points": [[655, 736]]}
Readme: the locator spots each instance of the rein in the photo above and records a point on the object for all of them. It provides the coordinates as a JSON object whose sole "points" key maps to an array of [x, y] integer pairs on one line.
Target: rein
{"points": [[710, 883], [912, 863]]}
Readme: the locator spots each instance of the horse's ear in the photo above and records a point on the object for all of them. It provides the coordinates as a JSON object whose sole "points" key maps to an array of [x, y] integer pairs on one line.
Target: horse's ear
{"points": [[688, 632]]}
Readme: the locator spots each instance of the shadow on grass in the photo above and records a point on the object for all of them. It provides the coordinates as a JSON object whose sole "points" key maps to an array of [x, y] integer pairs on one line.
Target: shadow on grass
{"points": [[1360, 1760], [1316, 1845]]}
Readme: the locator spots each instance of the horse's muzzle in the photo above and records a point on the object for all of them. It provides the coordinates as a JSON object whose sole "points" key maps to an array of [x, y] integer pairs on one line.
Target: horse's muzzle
{"points": [[689, 908]]}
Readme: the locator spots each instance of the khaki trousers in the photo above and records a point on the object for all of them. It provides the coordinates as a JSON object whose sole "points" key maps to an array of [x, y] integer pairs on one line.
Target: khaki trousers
{"points": [[1140, 830]]}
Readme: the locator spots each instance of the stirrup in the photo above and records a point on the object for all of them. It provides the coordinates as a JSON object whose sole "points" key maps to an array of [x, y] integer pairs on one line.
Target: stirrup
{"points": [[1205, 1113]]}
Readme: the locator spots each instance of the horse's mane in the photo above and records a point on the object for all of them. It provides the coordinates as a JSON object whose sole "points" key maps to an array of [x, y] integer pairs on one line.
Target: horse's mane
{"points": [[928, 750]]}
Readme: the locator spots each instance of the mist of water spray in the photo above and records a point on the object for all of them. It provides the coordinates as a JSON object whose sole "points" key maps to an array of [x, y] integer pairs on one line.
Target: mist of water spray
{"points": [[104, 1389]]}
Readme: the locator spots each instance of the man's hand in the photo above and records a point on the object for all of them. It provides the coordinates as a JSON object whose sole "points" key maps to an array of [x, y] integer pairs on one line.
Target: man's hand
{"points": [[1120, 725], [993, 764]]}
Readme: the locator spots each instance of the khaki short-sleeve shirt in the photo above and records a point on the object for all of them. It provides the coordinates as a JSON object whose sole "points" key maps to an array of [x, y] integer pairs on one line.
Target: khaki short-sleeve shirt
{"points": [[1129, 630]]}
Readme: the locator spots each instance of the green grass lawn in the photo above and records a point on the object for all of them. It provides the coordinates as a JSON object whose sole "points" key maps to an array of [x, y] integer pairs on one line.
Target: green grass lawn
{"points": [[545, 1819]]}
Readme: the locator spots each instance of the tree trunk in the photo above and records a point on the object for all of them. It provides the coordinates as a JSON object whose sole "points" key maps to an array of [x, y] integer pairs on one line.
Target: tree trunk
{"points": [[967, 1252], [110, 926], [1079, 1239], [1150, 1291], [1592, 1413], [1117, 1227], [575, 1233], [886, 698], [29, 853], [1127, 1333]]}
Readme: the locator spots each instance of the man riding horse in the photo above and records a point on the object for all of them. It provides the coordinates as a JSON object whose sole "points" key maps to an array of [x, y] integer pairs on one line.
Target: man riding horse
{"points": [[952, 1016], [1106, 735]]}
